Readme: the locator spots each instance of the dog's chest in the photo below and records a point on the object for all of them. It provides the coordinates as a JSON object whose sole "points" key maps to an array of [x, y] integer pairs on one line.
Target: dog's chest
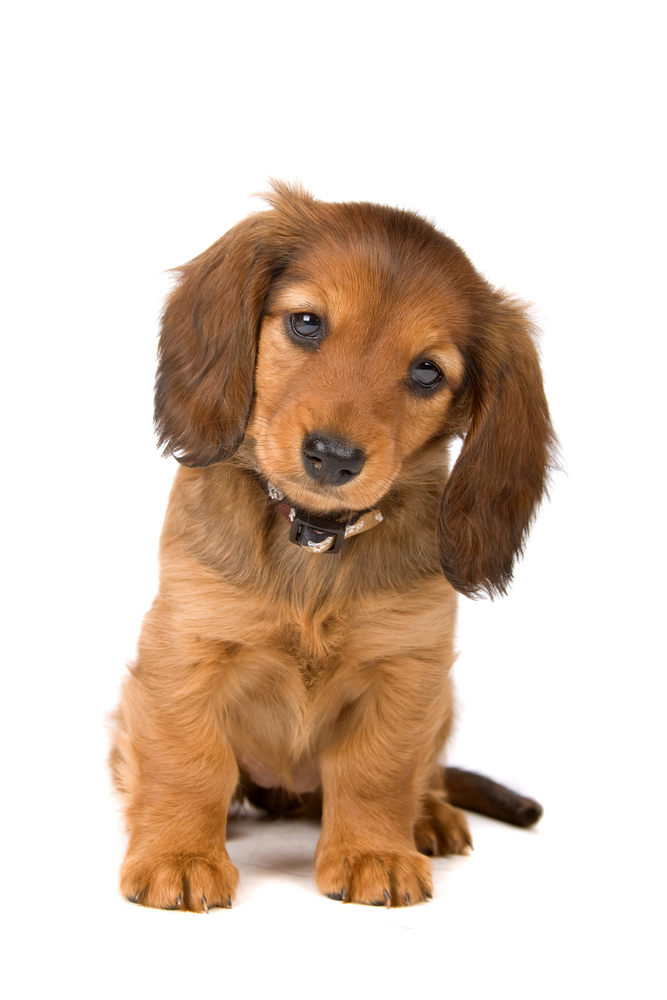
{"points": [[315, 645]]}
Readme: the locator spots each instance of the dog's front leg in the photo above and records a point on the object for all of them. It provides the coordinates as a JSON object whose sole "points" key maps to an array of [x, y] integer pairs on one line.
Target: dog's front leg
{"points": [[374, 780], [177, 774]]}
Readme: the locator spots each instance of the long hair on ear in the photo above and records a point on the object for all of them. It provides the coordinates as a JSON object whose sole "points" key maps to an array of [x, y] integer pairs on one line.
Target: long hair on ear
{"points": [[208, 342], [502, 471]]}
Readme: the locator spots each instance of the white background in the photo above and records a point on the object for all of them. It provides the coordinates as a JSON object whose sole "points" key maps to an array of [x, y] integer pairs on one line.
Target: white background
{"points": [[532, 133]]}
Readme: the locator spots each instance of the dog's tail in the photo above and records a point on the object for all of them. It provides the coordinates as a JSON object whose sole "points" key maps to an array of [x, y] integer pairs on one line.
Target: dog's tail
{"points": [[464, 789], [476, 793]]}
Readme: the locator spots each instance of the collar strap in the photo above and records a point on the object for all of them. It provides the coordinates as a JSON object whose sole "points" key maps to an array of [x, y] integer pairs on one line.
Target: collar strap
{"points": [[321, 534]]}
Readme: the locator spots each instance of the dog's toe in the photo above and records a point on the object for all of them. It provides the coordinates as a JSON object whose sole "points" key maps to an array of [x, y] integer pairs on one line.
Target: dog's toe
{"points": [[376, 879], [180, 882]]}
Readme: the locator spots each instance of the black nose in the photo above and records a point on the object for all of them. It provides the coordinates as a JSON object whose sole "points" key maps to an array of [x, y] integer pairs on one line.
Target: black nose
{"points": [[330, 460]]}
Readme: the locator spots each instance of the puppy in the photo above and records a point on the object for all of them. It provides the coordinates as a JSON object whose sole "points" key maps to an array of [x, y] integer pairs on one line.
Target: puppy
{"points": [[314, 365]]}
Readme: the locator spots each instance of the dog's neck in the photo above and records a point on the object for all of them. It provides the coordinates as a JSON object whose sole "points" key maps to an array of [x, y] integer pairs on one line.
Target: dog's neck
{"points": [[319, 534]]}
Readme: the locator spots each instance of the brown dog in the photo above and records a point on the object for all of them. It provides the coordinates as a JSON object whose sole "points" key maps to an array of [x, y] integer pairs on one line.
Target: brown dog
{"points": [[314, 364]]}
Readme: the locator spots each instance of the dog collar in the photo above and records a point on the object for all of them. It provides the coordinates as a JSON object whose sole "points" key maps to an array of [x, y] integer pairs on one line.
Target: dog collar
{"points": [[321, 534]]}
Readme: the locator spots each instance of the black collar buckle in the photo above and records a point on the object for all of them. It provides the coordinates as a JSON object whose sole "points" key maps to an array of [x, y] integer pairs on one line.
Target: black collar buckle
{"points": [[316, 532]]}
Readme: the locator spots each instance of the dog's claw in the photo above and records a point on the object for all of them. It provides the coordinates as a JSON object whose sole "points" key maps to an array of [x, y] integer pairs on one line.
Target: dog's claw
{"points": [[229, 902], [407, 899], [176, 905], [385, 901], [204, 904]]}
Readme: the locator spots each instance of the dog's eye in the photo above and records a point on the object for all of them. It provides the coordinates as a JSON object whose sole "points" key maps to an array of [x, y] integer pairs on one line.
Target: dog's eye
{"points": [[426, 374], [307, 325]]}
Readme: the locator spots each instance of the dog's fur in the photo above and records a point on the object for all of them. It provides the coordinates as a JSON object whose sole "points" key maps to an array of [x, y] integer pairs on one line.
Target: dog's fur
{"points": [[263, 665]]}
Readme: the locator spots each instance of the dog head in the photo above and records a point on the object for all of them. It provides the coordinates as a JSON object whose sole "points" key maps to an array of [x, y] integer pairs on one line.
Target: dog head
{"points": [[341, 341]]}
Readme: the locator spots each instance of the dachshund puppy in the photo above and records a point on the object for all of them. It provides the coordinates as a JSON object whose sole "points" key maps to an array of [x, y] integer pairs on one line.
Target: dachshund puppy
{"points": [[314, 365]]}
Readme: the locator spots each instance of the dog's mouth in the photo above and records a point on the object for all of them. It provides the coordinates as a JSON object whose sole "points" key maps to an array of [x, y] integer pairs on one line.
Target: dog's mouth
{"points": [[316, 509]]}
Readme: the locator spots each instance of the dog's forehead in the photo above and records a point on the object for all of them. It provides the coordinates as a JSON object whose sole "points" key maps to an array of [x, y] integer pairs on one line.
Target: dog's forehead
{"points": [[372, 276]]}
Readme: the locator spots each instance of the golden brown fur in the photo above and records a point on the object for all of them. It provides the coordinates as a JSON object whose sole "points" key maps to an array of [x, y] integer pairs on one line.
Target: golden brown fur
{"points": [[263, 664]]}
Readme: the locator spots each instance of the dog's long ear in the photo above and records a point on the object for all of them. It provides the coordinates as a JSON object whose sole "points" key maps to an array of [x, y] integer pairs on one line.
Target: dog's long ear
{"points": [[502, 470], [208, 339]]}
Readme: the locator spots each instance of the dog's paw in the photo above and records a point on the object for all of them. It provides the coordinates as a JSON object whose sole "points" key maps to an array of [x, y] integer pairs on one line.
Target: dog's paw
{"points": [[377, 879], [180, 881], [442, 830]]}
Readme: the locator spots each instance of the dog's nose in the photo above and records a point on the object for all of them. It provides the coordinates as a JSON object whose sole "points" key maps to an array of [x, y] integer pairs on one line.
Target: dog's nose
{"points": [[330, 460]]}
